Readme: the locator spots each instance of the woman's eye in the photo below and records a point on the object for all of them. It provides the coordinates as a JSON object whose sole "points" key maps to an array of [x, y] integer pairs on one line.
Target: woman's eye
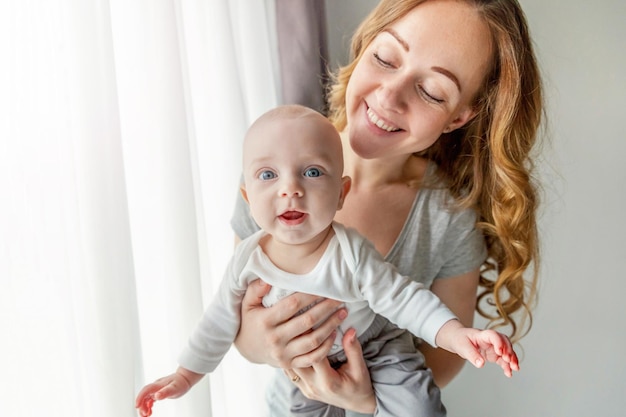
{"points": [[429, 96], [381, 61], [313, 172], [267, 175]]}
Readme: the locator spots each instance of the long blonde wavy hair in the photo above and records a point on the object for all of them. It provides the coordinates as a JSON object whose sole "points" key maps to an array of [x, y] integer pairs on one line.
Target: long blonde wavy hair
{"points": [[487, 164]]}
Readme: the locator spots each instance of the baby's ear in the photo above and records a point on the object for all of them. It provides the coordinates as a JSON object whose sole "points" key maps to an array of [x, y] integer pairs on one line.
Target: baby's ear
{"points": [[346, 183], [244, 193]]}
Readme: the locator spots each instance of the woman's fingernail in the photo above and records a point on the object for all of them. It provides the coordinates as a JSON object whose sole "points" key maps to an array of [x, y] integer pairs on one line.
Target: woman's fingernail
{"points": [[343, 314]]}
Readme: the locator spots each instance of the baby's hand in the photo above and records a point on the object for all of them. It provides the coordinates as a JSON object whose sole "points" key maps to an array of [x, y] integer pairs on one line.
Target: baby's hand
{"points": [[491, 346], [171, 386], [478, 346]]}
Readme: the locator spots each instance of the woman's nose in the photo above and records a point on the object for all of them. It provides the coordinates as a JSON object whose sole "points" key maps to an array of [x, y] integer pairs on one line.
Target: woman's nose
{"points": [[392, 94]]}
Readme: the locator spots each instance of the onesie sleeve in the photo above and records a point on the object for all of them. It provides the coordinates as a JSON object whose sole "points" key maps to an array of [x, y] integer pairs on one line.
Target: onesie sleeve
{"points": [[216, 331], [406, 303]]}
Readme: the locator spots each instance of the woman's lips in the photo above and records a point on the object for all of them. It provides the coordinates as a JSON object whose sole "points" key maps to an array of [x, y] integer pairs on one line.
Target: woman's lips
{"points": [[380, 123]]}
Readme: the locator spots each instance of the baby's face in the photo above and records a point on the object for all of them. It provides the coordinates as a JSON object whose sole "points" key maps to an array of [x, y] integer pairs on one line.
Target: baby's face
{"points": [[293, 172]]}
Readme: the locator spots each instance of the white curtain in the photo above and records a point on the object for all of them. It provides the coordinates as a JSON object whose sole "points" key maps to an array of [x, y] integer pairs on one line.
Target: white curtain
{"points": [[120, 130]]}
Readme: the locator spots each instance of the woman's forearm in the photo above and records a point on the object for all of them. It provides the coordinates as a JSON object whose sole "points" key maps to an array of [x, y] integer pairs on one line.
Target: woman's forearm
{"points": [[444, 365]]}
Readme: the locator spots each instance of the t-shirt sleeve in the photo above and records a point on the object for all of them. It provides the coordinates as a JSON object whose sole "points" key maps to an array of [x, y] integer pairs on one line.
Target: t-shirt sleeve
{"points": [[242, 222], [438, 241]]}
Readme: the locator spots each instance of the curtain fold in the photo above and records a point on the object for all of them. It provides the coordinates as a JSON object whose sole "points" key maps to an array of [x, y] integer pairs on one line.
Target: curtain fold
{"points": [[155, 127], [69, 319], [303, 52], [120, 132]]}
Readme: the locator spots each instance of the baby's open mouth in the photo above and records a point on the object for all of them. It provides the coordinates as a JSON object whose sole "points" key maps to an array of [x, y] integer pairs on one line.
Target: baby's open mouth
{"points": [[292, 215]]}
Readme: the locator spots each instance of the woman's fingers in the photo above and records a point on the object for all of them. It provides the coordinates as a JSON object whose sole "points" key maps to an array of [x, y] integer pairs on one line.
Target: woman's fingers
{"points": [[349, 386], [293, 332], [316, 354], [321, 313], [253, 298], [292, 375], [354, 353], [303, 312], [314, 332]]}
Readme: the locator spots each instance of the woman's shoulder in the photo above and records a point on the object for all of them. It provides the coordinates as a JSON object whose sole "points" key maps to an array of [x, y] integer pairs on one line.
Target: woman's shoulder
{"points": [[439, 238]]}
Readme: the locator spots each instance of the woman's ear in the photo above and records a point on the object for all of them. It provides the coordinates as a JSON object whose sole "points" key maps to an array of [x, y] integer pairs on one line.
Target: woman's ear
{"points": [[462, 118], [346, 183]]}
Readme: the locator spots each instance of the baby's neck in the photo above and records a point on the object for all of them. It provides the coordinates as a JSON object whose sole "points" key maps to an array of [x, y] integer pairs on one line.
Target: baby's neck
{"points": [[297, 259]]}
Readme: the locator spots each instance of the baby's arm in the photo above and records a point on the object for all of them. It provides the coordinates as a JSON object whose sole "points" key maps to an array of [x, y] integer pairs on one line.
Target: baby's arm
{"points": [[171, 386], [478, 346]]}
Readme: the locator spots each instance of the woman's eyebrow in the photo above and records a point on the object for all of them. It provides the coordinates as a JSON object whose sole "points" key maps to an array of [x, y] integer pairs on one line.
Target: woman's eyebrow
{"points": [[448, 74], [440, 70], [401, 41]]}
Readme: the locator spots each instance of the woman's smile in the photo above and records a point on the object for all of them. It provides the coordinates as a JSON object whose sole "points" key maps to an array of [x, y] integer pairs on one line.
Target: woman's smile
{"points": [[379, 122]]}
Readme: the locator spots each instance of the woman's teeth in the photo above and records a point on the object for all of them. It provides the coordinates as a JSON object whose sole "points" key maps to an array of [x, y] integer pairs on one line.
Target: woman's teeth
{"points": [[374, 119]]}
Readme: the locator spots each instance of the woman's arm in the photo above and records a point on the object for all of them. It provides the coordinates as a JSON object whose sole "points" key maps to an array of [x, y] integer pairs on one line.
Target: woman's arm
{"points": [[459, 294]]}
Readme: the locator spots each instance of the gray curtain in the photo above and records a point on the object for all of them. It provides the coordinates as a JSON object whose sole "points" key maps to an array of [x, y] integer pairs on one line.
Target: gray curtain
{"points": [[303, 51]]}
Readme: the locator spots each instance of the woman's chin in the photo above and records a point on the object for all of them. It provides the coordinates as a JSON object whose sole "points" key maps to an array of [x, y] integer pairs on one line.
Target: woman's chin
{"points": [[366, 148]]}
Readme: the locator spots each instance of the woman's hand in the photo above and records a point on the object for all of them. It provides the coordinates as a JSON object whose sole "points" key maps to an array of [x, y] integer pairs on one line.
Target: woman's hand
{"points": [[348, 387], [275, 337]]}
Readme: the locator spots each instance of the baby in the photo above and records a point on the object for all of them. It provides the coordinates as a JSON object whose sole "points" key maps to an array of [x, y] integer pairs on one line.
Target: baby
{"points": [[294, 184]]}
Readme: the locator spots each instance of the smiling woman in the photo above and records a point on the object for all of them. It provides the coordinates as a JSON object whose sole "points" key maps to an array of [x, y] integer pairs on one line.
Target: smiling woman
{"points": [[120, 129], [436, 82], [438, 109]]}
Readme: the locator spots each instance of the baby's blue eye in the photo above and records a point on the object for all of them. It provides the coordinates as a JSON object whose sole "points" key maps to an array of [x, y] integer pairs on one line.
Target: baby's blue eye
{"points": [[313, 172], [267, 175]]}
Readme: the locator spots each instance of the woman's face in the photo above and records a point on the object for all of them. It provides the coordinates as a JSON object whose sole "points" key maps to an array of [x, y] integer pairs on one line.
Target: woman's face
{"points": [[417, 79]]}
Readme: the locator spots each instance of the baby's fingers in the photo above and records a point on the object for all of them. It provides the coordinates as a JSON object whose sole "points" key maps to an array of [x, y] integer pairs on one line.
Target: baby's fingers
{"points": [[504, 349], [513, 361], [506, 367], [144, 406], [472, 354], [146, 395], [168, 391]]}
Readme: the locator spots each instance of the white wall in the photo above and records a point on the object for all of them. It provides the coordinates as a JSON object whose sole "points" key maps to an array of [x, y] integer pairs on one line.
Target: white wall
{"points": [[573, 359]]}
